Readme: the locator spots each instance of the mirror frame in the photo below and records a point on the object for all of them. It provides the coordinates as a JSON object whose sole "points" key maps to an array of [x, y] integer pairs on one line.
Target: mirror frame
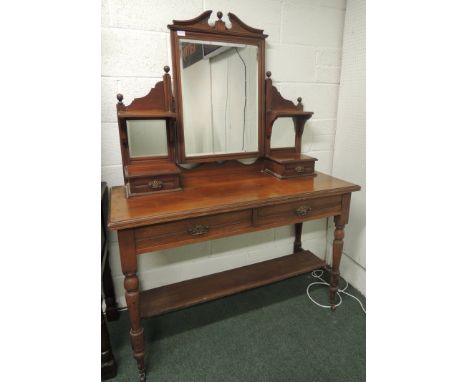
{"points": [[199, 29], [147, 157]]}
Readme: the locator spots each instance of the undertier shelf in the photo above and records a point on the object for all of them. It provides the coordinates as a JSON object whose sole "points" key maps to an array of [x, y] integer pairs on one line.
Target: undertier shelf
{"points": [[191, 292]]}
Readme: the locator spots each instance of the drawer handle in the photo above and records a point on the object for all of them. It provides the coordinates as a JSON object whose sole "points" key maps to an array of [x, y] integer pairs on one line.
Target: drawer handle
{"points": [[198, 229], [302, 210], [155, 184], [299, 169]]}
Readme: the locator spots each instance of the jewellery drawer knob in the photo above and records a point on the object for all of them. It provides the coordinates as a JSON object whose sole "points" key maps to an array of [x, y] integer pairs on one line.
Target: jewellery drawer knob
{"points": [[302, 210], [198, 229], [299, 169], [155, 184]]}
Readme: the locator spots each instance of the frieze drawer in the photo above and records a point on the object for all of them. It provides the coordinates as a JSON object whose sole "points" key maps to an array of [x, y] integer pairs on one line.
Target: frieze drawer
{"points": [[165, 235], [298, 211]]}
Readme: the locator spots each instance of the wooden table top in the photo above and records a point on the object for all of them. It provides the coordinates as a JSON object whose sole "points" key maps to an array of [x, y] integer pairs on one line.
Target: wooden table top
{"points": [[206, 193]]}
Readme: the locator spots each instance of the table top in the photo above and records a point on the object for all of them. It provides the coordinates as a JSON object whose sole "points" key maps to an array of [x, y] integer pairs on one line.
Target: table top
{"points": [[207, 193]]}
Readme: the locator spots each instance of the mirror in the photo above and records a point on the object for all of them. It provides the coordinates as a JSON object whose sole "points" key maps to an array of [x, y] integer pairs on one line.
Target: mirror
{"points": [[147, 138], [219, 83], [283, 134]]}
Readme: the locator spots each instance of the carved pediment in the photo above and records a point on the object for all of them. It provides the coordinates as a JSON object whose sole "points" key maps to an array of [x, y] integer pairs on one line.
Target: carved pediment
{"points": [[200, 24]]}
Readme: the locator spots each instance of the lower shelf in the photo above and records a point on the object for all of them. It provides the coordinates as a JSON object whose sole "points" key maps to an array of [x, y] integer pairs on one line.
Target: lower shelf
{"points": [[191, 292]]}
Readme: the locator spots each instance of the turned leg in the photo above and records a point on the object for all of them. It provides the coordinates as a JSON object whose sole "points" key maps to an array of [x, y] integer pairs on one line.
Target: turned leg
{"points": [[132, 296], [337, 250], [297, 239], [108, 366]]}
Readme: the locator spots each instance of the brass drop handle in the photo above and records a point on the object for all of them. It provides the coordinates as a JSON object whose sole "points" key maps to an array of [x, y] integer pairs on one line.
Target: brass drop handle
{"points": [[299, 169], [302, 210], [155, 184], [198, 229]]}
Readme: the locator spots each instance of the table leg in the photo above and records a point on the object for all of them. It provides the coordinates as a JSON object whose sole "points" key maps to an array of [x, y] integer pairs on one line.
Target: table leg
{"points": [[340, 222], [108, 366], [297, 239], [337, 252], [132, 296], [108, 287]]}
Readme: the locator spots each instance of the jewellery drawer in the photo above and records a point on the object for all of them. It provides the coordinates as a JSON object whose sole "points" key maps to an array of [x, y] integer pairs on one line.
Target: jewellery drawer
{"points": [[164, 235], [298, 211], [289, 165], [153, 183], [294, 169]]}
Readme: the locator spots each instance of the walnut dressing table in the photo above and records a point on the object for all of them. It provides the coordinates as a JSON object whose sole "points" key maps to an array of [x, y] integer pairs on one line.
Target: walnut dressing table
{"points": [[166, 204]]}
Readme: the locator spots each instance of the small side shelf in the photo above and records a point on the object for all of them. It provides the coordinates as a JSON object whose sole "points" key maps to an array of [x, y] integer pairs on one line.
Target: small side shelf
{"points": [[146, 114], [150, 169], [191, 292], [291, 113]]}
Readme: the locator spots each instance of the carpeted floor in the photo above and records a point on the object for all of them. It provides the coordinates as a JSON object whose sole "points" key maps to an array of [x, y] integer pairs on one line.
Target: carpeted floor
{"points": [[273, 333]]}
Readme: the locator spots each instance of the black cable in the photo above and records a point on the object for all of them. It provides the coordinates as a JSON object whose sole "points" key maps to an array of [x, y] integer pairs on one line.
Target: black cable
{"points": [[225, 106], [245, 97]]}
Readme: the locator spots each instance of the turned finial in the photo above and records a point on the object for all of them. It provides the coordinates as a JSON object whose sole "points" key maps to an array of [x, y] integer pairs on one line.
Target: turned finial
{"points": [[299, 100], [120, 97], [268, 74], [167, 69], [219, 14]]}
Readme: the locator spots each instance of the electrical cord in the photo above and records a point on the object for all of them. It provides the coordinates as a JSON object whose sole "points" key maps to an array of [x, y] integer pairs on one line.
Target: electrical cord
{"points": [[317, 274]]}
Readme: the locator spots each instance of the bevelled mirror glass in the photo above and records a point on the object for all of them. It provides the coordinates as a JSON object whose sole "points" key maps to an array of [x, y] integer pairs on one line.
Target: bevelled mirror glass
{"points": [[283, 134], [219, 86], [146, 138]]}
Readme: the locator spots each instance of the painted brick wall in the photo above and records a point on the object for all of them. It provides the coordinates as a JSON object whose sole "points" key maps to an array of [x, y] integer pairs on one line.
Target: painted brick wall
{"points": [[304, 55], [349, 161]]}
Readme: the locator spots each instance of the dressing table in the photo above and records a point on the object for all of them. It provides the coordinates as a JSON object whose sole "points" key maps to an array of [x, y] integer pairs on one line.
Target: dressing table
{"points": [[199, 163]]}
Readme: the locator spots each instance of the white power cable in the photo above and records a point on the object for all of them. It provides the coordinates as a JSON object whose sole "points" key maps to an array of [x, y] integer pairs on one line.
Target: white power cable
{"points": [[318, 275]]}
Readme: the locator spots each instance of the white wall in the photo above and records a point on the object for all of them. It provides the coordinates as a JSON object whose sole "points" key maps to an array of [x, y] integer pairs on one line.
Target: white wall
{"points": [[349, 160], [304, 55], [197, 108]]}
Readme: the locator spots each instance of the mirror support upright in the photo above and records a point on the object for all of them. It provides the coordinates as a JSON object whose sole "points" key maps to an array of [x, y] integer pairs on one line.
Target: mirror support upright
{"points": [[286, 162], [150, 174], [160, 173]]}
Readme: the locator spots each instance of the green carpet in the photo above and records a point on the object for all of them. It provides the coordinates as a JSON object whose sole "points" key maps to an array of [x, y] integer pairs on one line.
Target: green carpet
{"points": [[273, 333]]}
